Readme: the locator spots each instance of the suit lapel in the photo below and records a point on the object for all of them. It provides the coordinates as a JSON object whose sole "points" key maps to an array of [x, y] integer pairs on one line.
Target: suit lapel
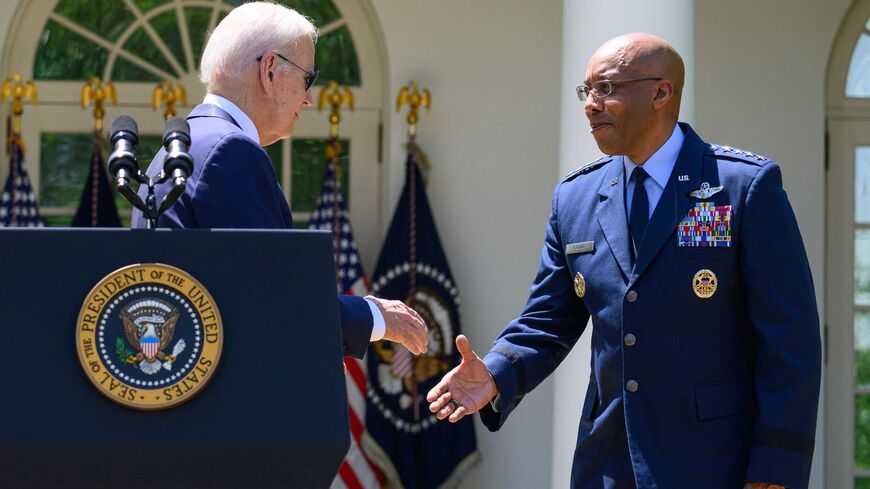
{"points": [[674, 202], [611, 216]]}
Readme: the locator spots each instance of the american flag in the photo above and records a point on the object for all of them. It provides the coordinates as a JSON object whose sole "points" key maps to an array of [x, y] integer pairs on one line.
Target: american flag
{"points": [[18, 207], [356, 471]]}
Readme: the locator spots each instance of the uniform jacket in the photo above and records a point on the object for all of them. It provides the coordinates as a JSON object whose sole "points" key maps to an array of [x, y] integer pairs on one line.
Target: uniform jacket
{"points": [[706, 392], [233, 185]]}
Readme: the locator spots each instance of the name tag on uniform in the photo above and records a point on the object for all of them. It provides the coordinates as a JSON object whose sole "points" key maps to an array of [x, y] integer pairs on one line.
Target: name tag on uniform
{"points": [[581, 247]]}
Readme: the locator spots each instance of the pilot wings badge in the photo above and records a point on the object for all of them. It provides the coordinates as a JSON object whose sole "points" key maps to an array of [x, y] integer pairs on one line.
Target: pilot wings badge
{"points": [[706, 191]]}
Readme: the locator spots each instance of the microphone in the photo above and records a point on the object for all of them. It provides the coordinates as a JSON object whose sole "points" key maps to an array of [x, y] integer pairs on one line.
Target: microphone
{"points": [[178, 164], [123, 163]]}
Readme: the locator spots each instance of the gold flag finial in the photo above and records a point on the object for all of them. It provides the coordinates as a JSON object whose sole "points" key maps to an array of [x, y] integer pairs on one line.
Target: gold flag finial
{"points": [[98, 92], [415, 98], [165, 93], [336, 97], [16, 90]]}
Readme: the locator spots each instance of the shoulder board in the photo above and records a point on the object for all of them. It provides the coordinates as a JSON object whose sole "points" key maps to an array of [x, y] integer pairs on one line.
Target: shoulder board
{"points": [[588, 167], [738, 154]]}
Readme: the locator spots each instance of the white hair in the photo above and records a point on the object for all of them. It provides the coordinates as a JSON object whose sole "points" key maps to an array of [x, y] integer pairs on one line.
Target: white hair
{"points": [[248, 32]]}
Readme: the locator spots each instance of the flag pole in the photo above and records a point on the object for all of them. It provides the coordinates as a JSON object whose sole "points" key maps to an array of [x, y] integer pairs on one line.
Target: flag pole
{"points": [[335, 97], [414, 98], [16, 90]]}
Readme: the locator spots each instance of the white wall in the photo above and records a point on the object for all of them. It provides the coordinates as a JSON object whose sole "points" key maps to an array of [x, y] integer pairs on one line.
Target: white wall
{"points": [[493, 67], [760, 84]]}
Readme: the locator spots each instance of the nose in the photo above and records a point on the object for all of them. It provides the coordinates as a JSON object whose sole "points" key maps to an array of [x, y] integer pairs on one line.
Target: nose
{"points": [[592, 105]]}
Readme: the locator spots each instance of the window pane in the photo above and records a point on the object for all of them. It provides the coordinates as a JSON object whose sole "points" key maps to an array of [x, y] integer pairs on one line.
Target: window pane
{"points": [[58, 221], [276, 154], [862, 184], [858, 79], [862, 267], [197, 28], [335, 57], [862, 483], [63, 55], [105, 18], [321, 12], [64, 164], [862, 349], [127, 71], [862, 432], [309, 166], [140, 45], [146, 5], [166, 25]]}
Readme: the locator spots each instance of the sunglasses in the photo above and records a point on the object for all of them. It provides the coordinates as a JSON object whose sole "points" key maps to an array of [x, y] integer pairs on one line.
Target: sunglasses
{"points": [[310, 76]]}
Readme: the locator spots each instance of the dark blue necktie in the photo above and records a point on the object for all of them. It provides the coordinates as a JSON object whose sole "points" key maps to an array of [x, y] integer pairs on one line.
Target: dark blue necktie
{"points": [[639, 216]]}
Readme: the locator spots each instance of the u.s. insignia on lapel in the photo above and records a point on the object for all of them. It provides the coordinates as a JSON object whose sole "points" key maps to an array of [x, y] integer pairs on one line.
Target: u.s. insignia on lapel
{"points": [[706, 191], [579, 285], [706, 225], [704, 283]]}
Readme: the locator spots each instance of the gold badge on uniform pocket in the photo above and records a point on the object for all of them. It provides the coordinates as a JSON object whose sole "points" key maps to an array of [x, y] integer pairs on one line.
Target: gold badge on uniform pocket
{"points": [[704, 283], [579, 285]]}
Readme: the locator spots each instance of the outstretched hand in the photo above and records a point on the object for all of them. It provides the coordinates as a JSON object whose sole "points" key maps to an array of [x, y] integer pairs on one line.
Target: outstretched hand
{"points": [[465, 389], [403, 325]]}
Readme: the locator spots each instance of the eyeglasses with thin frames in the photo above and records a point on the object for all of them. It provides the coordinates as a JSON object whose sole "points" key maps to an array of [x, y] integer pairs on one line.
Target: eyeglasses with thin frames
{"points": [[310, 76], [603, 88]]}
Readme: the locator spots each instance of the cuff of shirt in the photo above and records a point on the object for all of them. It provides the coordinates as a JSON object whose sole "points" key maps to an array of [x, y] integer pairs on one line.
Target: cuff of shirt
{"points": [[379, 327]]}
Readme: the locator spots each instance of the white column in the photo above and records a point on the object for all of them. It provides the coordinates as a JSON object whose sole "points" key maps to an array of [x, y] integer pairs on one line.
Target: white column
{"points": [[586, 25]]}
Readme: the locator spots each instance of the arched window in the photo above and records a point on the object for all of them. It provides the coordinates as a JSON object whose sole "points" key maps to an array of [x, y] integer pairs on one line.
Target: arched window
{"points": [[136, 44], [847, 288]]}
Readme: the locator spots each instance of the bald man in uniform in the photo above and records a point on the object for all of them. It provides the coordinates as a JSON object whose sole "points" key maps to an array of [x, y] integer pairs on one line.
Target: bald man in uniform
{"points": [[688, 259]]}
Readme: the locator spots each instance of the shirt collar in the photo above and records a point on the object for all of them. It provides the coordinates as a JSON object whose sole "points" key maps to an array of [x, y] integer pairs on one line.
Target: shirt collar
{"points": [[660, 165], [248, 127]]}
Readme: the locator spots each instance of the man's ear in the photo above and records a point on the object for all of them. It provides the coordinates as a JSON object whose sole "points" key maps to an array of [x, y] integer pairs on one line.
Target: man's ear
{"points": [[267, 73], [664, 93]]}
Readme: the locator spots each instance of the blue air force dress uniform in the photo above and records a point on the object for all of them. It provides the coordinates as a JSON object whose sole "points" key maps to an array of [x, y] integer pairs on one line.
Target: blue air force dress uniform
{"points": [[705, 341]]}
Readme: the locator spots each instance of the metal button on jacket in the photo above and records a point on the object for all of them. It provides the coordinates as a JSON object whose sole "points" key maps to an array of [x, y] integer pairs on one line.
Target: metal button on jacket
{"points": [[630, 339], [631, 385], [631, 296]]}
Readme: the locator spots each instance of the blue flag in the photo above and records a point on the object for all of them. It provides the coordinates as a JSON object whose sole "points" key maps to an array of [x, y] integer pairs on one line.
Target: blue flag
{"points": [[18, 206], [415, 450], [97, 207]]}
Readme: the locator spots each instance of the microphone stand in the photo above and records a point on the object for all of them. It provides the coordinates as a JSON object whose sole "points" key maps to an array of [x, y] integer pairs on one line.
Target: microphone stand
{"points": [[149, 207]]}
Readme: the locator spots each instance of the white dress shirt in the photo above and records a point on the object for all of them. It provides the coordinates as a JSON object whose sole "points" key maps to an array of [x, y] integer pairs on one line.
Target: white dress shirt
{"points": [[379, 326], [659, 166]]}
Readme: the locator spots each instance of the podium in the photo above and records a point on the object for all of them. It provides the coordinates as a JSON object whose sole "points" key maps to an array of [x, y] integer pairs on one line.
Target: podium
{"points": [[273, 415]]}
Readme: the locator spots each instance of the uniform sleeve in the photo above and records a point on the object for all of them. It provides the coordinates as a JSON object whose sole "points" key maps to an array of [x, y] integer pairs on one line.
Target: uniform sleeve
{"points": [[235, 189], [782, 307], [536, 342]]}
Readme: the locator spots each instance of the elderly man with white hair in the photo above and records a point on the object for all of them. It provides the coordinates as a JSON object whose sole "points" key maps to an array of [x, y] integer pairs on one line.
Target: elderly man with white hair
{"points": [[258, 68]]}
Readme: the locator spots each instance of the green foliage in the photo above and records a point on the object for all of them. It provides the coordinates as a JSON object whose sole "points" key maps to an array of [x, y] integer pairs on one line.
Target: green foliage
{"points": [[309, 165], [122, 350], [336, 59], [106, 18], [64, 55]]}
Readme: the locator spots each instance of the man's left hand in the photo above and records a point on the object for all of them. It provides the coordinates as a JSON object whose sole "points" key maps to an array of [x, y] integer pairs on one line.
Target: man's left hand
{"points": [[761, 485], [403, 325]]}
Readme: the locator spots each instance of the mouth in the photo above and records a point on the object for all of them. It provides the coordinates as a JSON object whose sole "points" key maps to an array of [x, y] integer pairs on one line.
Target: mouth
{"points": [[597, 126]]}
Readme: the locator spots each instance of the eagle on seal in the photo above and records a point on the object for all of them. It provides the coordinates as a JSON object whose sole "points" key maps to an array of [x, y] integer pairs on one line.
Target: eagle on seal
{"points": [[151, 335]]}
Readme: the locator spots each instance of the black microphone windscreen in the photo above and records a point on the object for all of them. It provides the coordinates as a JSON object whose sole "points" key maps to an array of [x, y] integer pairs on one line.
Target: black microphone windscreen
{"points": [[176, 124], [126, 124]]}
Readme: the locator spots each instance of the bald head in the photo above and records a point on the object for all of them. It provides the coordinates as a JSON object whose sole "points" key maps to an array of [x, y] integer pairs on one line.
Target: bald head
{"points": [[636, 85], [639, 55]]}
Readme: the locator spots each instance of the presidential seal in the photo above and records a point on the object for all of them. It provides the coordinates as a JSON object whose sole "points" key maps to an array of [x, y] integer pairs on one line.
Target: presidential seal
{"points": [[704, 284], [149, 336]]}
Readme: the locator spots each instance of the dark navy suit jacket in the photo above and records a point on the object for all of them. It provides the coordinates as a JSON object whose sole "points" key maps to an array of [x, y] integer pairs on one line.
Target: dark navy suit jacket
{"points": [[233, 185], [725, 389]]}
